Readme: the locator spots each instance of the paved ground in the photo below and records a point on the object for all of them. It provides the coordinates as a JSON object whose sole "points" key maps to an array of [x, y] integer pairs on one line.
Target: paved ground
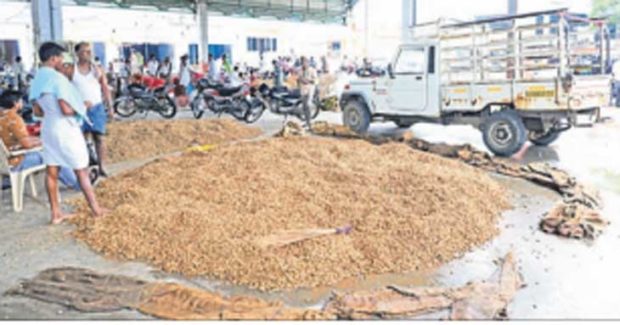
{"points": [[566, 279]]}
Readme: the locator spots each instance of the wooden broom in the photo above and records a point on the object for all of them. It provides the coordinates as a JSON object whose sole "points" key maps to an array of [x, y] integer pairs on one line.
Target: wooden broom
{"points": [[287, 237]]}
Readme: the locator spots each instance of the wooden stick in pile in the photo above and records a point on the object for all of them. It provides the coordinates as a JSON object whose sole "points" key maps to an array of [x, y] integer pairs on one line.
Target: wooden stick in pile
{"points": [[287, 237]]}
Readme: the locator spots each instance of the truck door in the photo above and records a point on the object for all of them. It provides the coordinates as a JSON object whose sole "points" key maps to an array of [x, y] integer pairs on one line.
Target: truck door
{"points": [[408, 89]]}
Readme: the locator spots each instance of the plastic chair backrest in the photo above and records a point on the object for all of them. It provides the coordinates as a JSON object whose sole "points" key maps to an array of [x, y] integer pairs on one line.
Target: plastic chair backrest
{"points": [[5, 168]]}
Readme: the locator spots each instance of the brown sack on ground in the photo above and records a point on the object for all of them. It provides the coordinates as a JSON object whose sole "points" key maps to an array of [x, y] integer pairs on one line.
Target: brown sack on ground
{"points": [[88, 291], [82, 289], [173, 301], [478, 300]]}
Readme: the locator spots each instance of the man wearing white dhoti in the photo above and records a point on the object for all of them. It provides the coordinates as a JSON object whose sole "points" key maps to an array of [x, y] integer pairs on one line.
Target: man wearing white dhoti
{"points": [[63, 111]]}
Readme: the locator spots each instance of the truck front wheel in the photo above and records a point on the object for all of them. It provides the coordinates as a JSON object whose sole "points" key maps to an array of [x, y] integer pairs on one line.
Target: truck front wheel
{"points": [[356, 117], [544, 139], [504, 133]]}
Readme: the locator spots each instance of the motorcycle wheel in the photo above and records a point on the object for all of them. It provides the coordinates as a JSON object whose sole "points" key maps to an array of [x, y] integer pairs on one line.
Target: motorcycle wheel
{"points": [[241, 109], [169, 109], [198, 106], [255, 113], [125, 106]]}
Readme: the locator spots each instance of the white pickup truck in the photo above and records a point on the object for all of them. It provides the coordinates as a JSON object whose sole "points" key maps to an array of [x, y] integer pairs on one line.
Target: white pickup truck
{"points": [[515, 78]]}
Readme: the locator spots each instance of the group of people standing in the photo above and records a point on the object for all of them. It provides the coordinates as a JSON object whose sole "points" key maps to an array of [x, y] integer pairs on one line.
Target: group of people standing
{"points": [[74, 102]]}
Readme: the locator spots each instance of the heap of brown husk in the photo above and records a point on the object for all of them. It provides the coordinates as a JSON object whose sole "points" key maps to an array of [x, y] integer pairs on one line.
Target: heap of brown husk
{"points": [[202, 213], [577, 216], [145, 139]]}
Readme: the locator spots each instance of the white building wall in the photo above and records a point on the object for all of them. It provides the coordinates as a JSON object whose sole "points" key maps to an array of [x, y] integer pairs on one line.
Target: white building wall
{"points": [[16, 24], [114, 26]]}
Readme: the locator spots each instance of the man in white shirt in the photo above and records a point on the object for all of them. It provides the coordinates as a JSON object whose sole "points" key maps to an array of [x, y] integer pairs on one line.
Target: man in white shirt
{"points": [[92, 84], [213, 69], [165, 70], [307, 84], [152, 66], [20, 72]]}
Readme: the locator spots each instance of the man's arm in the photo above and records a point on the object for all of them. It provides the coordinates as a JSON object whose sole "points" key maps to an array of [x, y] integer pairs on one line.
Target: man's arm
{"points": [[65, 108], [107, 96], [38, 112], [20, 131]]}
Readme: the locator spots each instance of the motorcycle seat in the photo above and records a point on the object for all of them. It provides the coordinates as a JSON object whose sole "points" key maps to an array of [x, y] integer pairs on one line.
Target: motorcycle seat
{"points": [[137, 90], [159, 89], [228, 91]]}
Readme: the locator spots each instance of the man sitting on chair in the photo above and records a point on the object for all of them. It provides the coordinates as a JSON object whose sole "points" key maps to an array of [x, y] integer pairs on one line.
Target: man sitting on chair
{"points": [[14, 135]]}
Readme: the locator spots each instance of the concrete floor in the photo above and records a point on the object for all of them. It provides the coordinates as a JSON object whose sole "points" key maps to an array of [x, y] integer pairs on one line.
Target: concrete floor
{"points": [[565, 279]]}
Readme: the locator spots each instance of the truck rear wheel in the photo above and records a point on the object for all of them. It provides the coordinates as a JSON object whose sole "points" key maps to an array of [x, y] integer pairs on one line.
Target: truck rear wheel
{"points": [[504, 133], [545, 139], [356, 117]]}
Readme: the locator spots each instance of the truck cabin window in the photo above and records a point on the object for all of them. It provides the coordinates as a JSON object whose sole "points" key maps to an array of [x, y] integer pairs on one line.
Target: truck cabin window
{"points": [[411, 61]]}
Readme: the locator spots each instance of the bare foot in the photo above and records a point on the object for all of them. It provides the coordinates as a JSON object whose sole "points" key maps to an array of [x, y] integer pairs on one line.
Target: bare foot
{"points": [[102, 212], [60, 217]]}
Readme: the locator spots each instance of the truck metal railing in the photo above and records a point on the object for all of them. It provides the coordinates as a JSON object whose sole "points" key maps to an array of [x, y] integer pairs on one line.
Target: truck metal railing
{"points": [[536, 46]]}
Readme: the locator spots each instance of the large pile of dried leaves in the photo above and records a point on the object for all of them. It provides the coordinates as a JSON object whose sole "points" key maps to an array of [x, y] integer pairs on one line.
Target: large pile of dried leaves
{"points": [[145, 139], [203, 213]]}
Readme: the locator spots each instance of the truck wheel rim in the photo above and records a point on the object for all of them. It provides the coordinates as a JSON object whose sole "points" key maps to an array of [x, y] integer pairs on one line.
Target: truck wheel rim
{"points": [[354, 118], [501, 134]]}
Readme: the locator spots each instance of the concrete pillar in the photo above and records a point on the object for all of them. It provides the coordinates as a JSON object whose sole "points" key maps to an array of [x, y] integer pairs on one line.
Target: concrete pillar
{"points": [[47, 21], [513, 8], [203, 19]]}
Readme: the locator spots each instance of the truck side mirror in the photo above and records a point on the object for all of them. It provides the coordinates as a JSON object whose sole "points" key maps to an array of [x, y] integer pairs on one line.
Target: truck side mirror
{"points": [[390, 71]]}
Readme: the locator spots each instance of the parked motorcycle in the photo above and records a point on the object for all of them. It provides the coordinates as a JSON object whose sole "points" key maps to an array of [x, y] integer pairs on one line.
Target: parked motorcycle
{"points": [[141, 99], [236, 101], [286, 102]]}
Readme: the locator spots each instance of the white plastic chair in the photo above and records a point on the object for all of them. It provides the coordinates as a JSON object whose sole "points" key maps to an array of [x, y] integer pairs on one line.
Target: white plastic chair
{"points": [[18, 179]]}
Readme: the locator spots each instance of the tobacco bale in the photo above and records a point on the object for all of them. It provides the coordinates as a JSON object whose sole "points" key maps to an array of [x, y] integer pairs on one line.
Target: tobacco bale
{"points": [[291, 129], [201, 213], [327, 129], [145, 139], [573, 221]]}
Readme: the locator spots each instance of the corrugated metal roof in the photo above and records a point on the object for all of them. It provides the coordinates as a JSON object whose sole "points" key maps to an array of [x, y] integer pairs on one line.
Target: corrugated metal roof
{"points": [[326, 11]]}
